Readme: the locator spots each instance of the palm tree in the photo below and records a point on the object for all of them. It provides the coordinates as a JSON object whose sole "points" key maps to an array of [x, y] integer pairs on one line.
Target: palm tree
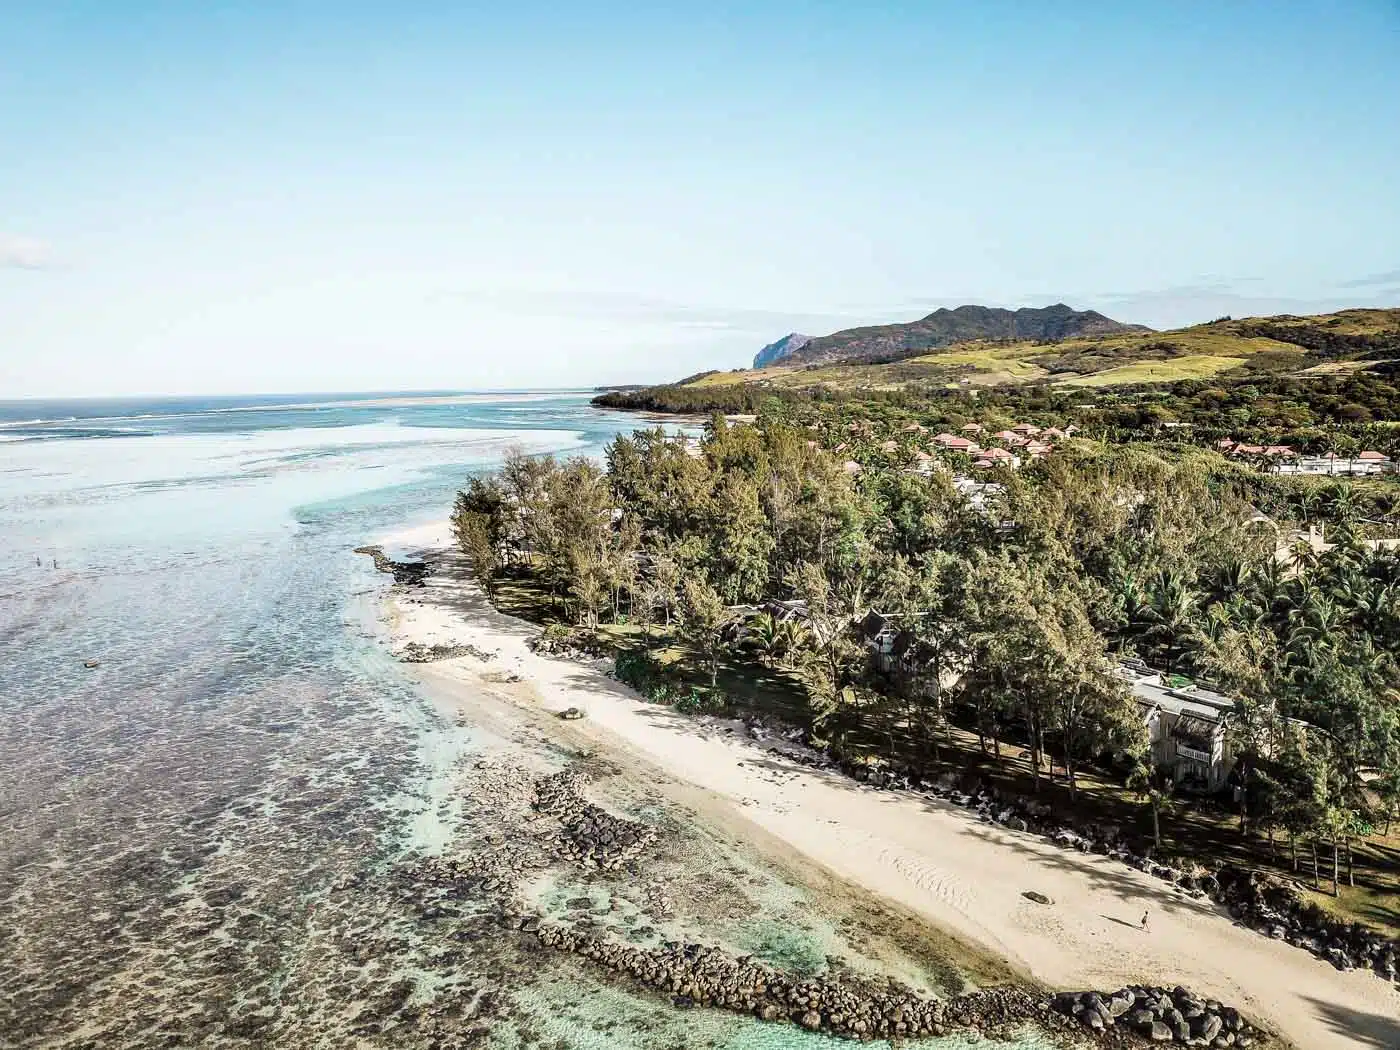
{"points": [[764, 635], [1303, 556], [1172, 616], [1342, 502], [1315, 626], [1231, 579], [1130, 603], [792, 636], [1268, 584]]}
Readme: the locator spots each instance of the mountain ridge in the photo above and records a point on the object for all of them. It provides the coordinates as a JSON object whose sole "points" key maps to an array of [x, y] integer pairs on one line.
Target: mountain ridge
{"points": [[942, 328], [780, 349]]}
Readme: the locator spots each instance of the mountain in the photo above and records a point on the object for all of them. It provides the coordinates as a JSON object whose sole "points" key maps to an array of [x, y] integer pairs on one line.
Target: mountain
{"points": [[945, 327], [784, 347], [1225, 353]]}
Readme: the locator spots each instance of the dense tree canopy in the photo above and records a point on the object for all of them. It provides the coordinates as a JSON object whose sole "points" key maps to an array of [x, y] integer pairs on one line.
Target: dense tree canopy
{"points": [[1013, 609]]}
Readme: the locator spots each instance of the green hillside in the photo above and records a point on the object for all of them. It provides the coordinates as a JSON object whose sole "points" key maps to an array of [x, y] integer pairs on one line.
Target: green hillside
{"points": [[1348, 341]]}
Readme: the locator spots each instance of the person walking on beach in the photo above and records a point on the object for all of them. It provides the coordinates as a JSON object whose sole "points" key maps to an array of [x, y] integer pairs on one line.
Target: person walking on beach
{"points": [[1144, 923]]}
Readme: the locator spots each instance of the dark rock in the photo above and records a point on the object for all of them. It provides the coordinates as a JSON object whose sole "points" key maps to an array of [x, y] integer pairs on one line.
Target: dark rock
{"points": [[1039, 898], [1206, 1027]]}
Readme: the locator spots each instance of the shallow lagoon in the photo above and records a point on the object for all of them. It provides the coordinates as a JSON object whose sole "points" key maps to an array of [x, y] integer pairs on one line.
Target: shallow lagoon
{"points": [[205, 835]]}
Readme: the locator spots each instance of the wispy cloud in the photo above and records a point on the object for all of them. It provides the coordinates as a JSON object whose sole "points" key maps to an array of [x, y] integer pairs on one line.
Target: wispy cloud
{"points": [[23, 253], [1374, 280]]}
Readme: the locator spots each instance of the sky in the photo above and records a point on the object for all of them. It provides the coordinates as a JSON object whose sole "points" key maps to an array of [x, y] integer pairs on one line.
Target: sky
{"points": [[235, 197]]}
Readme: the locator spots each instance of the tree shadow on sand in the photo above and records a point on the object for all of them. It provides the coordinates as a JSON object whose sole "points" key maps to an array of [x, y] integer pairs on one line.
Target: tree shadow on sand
{"points": [[1371, 1030]]}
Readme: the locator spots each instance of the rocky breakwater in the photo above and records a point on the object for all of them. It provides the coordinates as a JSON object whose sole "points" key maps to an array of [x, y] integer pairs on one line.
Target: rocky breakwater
{"points": [[698, 975], [538, 822], [1159, 1015], [409, 573]]}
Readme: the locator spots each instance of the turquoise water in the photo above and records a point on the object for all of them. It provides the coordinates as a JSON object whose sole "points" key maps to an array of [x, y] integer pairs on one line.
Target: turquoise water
{"points": [[202, 834]]}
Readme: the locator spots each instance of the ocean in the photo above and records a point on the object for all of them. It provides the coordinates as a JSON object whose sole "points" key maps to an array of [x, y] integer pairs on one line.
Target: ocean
{"points": [[212, 771]]}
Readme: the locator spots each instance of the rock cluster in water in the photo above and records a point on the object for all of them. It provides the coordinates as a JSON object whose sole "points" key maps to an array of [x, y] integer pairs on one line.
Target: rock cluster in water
{"points": [[410, 573], [567, 827], [589, 833], [1159, 1015], [697, 975]]}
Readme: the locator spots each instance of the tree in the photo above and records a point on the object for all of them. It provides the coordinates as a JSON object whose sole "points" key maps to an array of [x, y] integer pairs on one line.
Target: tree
{"points": [[473, 530], [1153, 786], [765, 636], [832, 652], [739, 541], [703, 620]]}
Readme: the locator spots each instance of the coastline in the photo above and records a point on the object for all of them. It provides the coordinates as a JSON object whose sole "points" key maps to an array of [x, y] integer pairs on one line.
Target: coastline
{"points": [[922, 856]]}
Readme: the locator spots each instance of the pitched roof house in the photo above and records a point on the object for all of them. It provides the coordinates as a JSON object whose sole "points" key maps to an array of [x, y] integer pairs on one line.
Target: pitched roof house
{"points": [[957, 444], [1186, 726]]}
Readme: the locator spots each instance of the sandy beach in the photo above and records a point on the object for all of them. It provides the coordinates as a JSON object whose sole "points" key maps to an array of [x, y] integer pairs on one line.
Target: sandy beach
{"points": [[929, 857]]}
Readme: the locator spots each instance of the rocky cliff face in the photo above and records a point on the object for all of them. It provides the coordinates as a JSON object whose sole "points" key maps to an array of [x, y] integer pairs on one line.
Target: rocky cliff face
{"points": [[784, 347], [945, 327]]}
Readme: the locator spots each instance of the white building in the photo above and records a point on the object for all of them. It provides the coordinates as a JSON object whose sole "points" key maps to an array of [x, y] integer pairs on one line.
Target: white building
{"points": [[1363, 464], [1187, 727]]}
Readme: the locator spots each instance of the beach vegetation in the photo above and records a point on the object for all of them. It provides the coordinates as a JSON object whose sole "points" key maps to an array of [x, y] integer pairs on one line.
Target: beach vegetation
{"points": [[896, 614]]}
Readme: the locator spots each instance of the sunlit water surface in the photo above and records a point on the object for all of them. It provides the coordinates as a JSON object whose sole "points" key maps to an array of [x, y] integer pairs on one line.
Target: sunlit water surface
{"points": [[199, 835]]}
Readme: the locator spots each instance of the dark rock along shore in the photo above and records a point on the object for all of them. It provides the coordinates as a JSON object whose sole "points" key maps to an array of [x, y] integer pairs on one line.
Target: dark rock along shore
{"points": [[1262, 902], [692, 974]]}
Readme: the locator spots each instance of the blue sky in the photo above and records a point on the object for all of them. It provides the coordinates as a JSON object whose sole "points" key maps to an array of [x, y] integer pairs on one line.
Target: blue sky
{"points": [[235, 197]]}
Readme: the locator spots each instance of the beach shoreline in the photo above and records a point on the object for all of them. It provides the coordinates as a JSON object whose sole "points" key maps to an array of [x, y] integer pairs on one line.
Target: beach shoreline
{"points": [[922, 856]]}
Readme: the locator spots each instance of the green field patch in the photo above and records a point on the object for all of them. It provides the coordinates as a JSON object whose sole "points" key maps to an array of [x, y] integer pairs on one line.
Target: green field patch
{"points": [[1193, 366]]}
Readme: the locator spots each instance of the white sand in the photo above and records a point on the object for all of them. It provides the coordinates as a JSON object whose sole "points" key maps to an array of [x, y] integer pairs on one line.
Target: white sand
{"points": [[931, 857]]}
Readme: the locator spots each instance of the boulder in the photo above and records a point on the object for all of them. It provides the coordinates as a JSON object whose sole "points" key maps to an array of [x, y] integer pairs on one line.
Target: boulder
{"points": [[1207, 1027], [1140, 1020], [570, 714], [1039, 898]]}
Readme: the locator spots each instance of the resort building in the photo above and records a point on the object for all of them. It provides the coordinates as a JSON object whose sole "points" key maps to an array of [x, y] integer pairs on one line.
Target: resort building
{"points": [[1362, 464], [956, 444], [1186, 726]]}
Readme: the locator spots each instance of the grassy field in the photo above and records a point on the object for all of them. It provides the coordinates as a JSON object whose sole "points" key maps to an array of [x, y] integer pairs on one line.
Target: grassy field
{"points": [[746, 375], [1194, 366]]}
